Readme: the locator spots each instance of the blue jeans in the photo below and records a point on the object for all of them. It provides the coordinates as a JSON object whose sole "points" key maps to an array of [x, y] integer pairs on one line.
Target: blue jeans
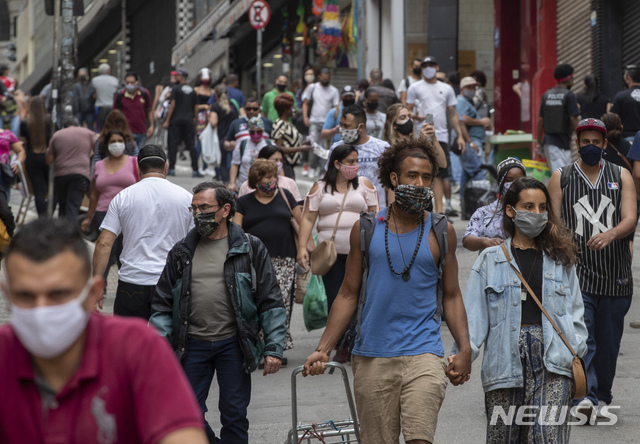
{"points": [[456, 168], [199, 152], [86, 117], [470, 162], [141, 139], [202, 361], [604, 318]]}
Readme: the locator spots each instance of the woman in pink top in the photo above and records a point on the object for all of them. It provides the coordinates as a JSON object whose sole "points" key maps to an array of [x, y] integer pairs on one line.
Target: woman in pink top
{"points": [[275, 153], [9, 142], [111, 175], [323, 204]]}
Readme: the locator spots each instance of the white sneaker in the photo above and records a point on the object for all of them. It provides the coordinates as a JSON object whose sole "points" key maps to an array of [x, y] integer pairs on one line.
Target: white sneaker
{"points": [[587, 408], [602, 409]]}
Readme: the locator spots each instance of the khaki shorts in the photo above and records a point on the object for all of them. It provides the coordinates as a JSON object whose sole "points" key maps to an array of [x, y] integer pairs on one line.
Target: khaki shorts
{"points": [[401, 393]]}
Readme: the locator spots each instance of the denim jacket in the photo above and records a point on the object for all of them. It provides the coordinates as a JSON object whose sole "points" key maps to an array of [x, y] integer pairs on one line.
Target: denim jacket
{"points": [[492, 302]]}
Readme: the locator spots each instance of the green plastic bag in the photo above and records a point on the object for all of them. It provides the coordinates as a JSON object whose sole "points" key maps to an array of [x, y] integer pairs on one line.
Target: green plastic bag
{"points": [[314, 308]]}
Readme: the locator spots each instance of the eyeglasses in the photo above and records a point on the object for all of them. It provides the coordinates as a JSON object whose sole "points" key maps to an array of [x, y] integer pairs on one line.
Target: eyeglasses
{"points": [[204, 208], [251, 108], [255, 132]]}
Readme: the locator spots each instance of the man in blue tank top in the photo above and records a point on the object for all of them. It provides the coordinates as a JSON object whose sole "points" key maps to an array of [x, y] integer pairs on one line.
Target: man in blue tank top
{"points": [[400, 374], [597, 200]]}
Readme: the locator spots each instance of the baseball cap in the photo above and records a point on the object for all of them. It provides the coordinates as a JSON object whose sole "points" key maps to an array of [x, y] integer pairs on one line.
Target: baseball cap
{"points": [[429, 59], [348, 91], [468, 81], [182, 72], [591, 124], [174, 73]]}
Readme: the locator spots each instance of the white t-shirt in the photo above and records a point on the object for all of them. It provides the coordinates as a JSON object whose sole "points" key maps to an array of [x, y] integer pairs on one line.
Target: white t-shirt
{"points": [[153, 215], [375, 124], [323, 97], [433, 99], [246, 159], [403, 87], [368, 154]]}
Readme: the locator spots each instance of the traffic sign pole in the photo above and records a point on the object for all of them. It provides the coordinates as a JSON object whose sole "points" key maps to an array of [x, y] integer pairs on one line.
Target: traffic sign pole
{"points": [[259, 66], [259, 16]]}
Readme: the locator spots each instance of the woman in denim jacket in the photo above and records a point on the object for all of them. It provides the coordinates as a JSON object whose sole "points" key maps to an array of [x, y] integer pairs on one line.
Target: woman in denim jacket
{"points": [[525, 362]]}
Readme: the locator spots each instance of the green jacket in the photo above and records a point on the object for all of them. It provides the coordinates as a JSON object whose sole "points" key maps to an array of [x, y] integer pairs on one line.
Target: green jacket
{"points": [[255, 296]]}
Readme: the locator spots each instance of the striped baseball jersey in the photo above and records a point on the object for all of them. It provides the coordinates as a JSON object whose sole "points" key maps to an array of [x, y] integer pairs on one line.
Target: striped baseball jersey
{"points": [[587, 210]]}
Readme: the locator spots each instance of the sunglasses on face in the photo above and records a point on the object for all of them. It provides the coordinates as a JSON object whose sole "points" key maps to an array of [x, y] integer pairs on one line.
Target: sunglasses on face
{"points": [[255, 132], [251, 108]]}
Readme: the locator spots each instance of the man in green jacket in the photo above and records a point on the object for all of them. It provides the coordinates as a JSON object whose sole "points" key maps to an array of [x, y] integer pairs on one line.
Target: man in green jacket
{"points": [[268, 110], [217, 291]]}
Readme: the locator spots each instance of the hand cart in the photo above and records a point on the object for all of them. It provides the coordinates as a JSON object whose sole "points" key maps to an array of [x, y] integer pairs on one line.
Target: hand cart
{"points": [[343, 431]]}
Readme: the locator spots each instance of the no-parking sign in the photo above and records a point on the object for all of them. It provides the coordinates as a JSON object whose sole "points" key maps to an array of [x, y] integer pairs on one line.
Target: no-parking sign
{"points": [[259, 14]]}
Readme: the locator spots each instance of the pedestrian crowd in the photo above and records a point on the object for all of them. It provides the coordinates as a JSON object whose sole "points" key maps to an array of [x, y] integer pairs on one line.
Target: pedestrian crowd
{"points": [[216, 271]]}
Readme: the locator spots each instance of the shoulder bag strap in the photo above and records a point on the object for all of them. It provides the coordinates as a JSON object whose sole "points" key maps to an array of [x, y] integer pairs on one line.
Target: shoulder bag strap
{"points": [[335, 228], [535, 298], [284, 196], [623, 156]]}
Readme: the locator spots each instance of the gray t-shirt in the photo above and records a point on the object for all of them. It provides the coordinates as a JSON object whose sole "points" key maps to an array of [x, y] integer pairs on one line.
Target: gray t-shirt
{"points": [[211, 313]]}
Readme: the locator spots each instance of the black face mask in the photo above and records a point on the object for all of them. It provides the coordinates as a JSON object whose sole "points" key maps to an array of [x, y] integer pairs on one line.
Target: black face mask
{"points": [[281, 88], [406, 128], [325, 83], [417, 71], [348, 102], [373, 105]]}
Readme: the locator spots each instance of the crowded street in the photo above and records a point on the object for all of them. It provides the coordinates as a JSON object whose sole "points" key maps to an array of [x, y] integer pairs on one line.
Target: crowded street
{"points": [[461, 420], [332, 221]]}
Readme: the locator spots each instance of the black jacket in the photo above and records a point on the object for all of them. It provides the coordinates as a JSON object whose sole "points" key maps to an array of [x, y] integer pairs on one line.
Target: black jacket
{"points": [[255, 296]]}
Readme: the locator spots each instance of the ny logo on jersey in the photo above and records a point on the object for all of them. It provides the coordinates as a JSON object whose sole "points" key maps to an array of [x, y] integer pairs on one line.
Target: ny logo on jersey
{"points": [[583, 209]]}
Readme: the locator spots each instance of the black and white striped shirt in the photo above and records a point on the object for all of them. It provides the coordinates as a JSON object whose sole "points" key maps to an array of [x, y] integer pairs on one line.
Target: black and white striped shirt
{"points": [[588, 210]]}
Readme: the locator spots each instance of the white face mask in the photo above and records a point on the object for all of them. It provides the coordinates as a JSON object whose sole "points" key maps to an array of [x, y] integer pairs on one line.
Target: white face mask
{"points": [[309, 78], [349, 135], [429, 72], [116, 149], [47, 332]]}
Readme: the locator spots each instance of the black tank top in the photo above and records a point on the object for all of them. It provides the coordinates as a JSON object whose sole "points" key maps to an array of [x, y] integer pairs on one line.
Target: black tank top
{"points": [[203, 99]]}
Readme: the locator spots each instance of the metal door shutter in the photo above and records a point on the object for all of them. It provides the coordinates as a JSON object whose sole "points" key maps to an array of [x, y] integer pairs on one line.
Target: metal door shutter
{"points": [[574, 38], [344, 76], [631, 33]]}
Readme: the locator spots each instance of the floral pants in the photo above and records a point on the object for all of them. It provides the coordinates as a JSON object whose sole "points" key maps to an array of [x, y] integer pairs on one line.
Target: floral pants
{"points": [[285, 269]]}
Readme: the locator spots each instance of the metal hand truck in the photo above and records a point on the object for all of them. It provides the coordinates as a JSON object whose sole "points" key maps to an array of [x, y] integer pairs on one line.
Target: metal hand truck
{"points": [[343, 431]]}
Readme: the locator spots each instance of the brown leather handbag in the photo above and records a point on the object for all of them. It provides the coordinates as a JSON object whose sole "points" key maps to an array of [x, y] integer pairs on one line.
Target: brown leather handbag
{"points": [[579, 371], [325, 254]]}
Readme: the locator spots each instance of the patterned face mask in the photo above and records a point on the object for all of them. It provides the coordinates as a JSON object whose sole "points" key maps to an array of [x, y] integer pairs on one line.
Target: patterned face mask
{"points": [[268, 187], [349, 171], [413, 199], [206, 223]]}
